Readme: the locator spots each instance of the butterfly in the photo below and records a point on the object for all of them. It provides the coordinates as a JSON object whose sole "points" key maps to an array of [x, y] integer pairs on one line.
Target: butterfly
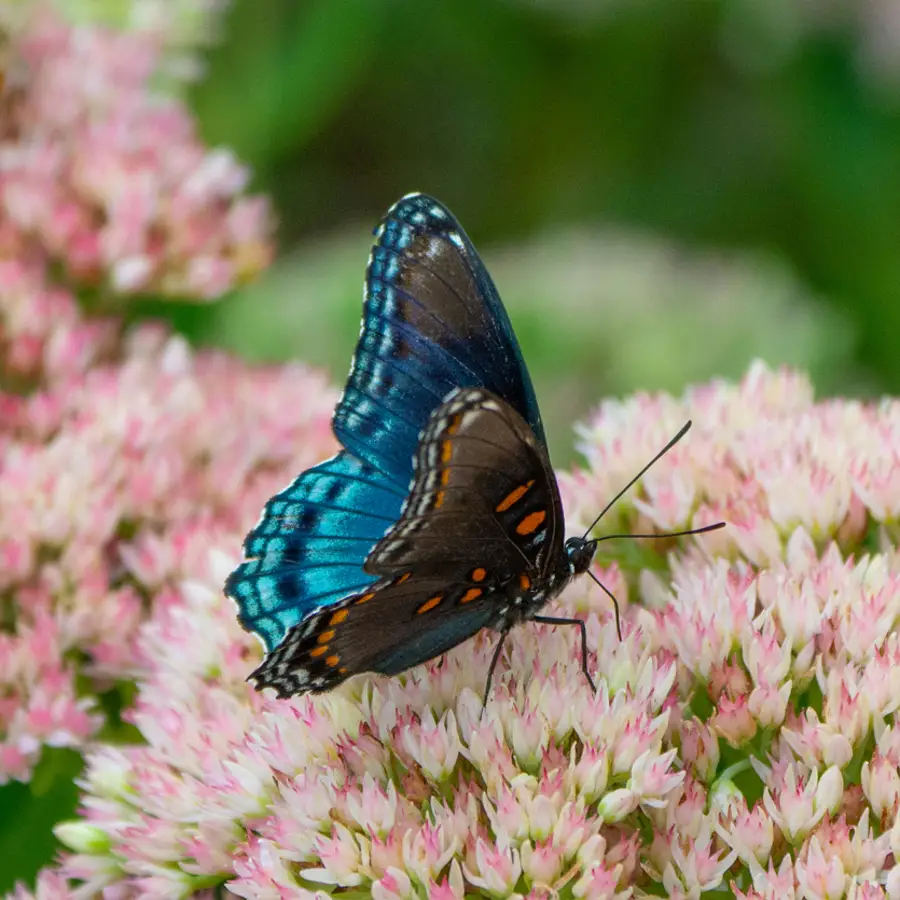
{"points": [[441, 515]]}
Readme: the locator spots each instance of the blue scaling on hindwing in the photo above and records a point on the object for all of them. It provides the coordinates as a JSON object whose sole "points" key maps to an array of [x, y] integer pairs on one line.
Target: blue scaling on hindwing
{"points": [[308, 548], [432, 322]]}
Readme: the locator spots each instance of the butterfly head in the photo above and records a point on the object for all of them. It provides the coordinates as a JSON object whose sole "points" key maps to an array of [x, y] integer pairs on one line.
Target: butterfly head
{"points": [[579, 553]]}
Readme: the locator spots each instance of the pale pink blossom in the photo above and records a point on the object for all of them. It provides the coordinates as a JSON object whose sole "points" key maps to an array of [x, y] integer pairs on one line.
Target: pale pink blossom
{"points": [[494, 868], [699, 748], [652, 778], [733, 720], [541, 863], [699, 865], [768, 704], [771, 883], [749, 832], [435, 748], [427, 851], [820, 877], [800, 801], [111, 182], [881, 783], [771, 674], [601, 882], [816, 743]]}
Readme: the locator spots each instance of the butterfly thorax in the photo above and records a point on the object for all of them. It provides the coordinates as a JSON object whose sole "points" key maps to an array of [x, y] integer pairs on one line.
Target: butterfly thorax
{"points": [[524, 596]]}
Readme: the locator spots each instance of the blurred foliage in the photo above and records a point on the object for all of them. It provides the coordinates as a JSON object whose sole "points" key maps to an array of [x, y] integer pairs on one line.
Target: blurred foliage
{"points": [[696, 120]]}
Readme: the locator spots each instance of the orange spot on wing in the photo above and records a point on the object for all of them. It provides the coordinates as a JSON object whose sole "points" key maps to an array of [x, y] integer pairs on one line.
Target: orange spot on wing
{"points": [[365, 598], [524, 582], [531, 522], [339, 617], [470, 595], [479, 574], [325, 636], [318, 651], [445, 478], [343, 670], [332, 660], [454, 424], [514, 497], [404, 577], [446, 451], [438, 499], [430, 604]]}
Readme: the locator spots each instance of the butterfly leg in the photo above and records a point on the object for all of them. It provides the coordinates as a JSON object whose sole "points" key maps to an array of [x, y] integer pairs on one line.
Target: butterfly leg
{"points": [[491, 667], [553, 620]]}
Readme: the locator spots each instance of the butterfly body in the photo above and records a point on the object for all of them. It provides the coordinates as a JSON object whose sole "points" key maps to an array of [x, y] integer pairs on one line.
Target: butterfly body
{"points": [[441, 516]]}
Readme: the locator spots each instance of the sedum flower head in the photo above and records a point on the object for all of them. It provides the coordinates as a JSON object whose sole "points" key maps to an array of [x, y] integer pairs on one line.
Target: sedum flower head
{"points": [[178, 28], [742, 737], [107, 181], [122, 450], [114, 481]]}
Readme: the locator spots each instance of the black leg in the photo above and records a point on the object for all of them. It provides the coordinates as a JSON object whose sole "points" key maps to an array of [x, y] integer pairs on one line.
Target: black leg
{"points": [[491, 667], [552, 620], [609, 594]]}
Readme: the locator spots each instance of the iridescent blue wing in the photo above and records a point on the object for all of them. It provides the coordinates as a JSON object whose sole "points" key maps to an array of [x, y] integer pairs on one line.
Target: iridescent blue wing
{"points": [[483, 516], [309, 546], [432, 321]]}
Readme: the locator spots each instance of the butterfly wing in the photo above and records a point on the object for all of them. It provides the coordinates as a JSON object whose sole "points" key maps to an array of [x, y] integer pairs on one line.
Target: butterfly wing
{"points": [[432, 321], [308, 548], [483, 516], [483, 493], [388, 628]]}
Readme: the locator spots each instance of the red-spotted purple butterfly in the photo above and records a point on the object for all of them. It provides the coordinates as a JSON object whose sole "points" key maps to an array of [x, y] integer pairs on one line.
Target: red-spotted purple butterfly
{"points": [[441, 516]]}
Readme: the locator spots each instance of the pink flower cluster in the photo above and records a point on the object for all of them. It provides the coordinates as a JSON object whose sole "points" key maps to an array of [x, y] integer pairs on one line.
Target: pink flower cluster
{"points": [[109, 183], [113, 483], [744, 735], [120, 453]]}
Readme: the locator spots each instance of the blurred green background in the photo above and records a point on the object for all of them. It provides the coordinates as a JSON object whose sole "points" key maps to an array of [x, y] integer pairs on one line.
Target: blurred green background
{"points": [[662, 189]]}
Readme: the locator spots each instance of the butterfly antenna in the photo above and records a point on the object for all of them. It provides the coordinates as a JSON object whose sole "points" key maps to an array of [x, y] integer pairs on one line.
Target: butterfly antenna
{"points": [[671, 534], [656, 459], [666, 534]]}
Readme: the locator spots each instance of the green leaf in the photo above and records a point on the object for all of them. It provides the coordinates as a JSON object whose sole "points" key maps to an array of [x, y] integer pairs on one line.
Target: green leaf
{"points": [[29, 812]]}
